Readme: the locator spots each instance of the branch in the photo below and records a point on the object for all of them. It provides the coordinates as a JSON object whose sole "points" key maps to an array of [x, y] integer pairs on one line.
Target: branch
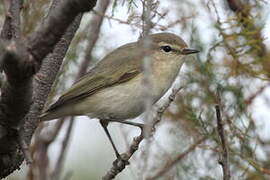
{"points": [[11, 159], [59, 163], [147, 80], [42, 42], [147, 66], [166, 105], [93, 34], [224, 162], [45, 78], [11, 27], [15, 102], [39, 150], [11, 54], [19, 65], [17, 90]]}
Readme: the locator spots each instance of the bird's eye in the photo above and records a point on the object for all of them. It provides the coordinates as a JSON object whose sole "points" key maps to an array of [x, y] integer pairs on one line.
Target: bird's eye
{"points": [[166, 48]]}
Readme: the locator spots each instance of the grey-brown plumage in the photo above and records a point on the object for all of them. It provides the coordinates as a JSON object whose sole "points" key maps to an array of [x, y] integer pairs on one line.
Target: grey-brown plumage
{"points": [[113, 88]]}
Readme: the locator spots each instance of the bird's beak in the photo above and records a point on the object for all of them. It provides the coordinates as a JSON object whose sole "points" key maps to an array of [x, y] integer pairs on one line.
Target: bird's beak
{"points": [[189, 51]]}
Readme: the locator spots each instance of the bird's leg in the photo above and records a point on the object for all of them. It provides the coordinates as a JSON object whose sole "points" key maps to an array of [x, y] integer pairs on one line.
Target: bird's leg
{"points": [[140, 125], [104, 124]]}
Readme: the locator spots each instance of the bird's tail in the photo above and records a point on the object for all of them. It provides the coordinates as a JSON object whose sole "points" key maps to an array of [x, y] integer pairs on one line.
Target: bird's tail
{"points": [[46, 116], [56, 113]]}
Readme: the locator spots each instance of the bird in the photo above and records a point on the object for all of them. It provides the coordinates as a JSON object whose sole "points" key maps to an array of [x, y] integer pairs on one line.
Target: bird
{"points": [[113, 90]]}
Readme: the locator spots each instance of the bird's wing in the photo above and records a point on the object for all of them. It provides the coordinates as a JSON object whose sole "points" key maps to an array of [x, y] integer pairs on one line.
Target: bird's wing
{"points": [[117, 67]]}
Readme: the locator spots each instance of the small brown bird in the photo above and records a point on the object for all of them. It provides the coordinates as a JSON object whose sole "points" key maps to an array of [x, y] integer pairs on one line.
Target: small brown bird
{"points": [[113, 89]]}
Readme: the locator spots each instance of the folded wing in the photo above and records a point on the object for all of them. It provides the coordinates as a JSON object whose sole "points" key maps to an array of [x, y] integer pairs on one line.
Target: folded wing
{"points": [[117, 67]]}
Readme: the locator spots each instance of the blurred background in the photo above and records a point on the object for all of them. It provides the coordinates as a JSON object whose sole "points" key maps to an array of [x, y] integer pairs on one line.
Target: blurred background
{"points": [[232, 70]]}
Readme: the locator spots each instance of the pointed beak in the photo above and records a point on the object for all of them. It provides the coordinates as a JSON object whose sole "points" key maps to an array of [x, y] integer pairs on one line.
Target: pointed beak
{"points": [[189, 51]]}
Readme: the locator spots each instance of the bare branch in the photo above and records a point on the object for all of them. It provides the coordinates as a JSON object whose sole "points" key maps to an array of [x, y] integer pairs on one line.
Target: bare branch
{"points": [[42, 42], [224, 162], [44, 81], [59, 163], [147, 64], [93, 34], [166, 104], [11, 27], [147, 81], [46, 76], [13, 156], [40, 150]]}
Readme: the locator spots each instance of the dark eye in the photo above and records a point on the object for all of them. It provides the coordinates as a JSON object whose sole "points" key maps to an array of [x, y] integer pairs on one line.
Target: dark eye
{"points": [[166, 48]]}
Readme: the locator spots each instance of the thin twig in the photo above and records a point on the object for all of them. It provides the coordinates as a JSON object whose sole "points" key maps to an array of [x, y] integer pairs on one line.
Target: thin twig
{"points": [[156, 26], [40, 148], [60, 161], [224, 162], [93, 34], [147, 83], [120, 21], [147, 66], [166, 104]]}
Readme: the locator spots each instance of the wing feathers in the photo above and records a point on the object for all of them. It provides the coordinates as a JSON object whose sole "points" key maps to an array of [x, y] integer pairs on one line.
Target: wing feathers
{"points": [[104, 74]]}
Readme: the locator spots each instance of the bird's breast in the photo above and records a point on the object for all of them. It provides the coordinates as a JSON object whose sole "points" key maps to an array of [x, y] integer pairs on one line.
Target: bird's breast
{"points": [[164, 75]]}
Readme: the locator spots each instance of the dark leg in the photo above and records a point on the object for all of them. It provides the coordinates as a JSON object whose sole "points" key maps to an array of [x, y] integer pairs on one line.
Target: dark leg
{"points": [[104, 124], [140, 125]]}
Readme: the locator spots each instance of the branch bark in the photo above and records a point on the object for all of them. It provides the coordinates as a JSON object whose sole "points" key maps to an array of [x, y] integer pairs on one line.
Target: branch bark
{"points": [[93, 34], [20, 63], [11, 27], [42, 41], [224, 162]]}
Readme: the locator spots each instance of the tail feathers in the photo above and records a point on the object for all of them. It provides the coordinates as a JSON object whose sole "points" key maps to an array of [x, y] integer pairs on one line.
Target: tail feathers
{"points": [[46, 116], [55, 113]]}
